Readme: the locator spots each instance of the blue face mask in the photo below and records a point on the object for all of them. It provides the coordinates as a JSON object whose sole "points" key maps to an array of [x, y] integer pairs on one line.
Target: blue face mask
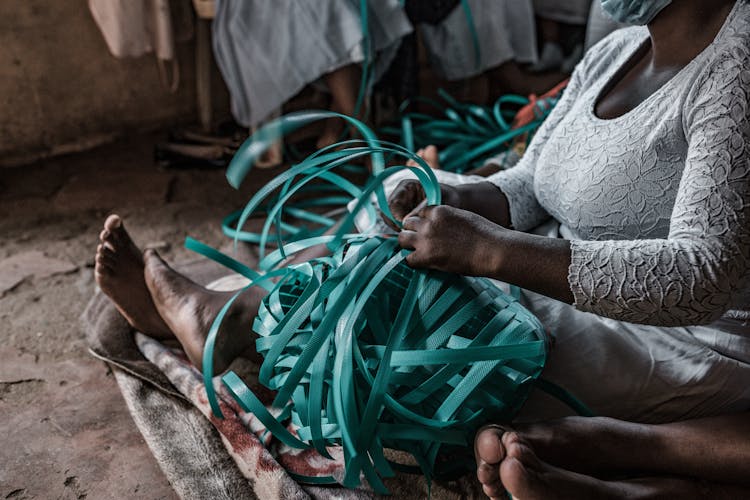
{"points": [[637, 12]]}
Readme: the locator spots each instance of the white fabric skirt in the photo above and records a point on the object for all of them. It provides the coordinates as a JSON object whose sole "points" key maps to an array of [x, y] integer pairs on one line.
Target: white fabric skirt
{"points": [[564, 11], [505, 29], [268, 51]]}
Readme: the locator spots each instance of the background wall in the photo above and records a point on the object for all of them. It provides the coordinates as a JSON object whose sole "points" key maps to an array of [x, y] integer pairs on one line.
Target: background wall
{"points": [[61, 90]]}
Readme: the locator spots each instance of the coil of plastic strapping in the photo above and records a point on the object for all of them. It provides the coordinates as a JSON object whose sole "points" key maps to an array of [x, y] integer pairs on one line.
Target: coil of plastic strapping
{"points": [[363, 351], [467, 134]]}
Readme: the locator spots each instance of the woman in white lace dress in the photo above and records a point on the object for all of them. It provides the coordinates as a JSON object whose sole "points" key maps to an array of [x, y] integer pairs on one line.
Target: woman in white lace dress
{"points": [[641, 175], [627, 223]]}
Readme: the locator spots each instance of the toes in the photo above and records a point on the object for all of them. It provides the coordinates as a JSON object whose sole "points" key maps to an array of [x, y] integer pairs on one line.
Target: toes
{"points": [[113, 222], [111, 235], [517, 448], [489, 452], [103, 259], [489, 476], [114, 231], [488, 445], [515, 477], [495, 490], [102, 271], [105, 256], [105, 248]]}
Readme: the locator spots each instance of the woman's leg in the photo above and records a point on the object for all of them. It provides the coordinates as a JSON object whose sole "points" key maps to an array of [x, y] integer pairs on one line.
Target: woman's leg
{"points": [[713, 450], [344, 86], [160, 302], [189, 310]]}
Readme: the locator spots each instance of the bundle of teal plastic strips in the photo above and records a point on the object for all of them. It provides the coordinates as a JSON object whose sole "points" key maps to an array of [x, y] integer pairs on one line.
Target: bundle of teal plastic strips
{"points": [[363, 351], [467, 134]]}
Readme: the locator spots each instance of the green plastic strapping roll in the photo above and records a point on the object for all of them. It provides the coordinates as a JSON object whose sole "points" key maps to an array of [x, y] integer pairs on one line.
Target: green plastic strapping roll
{"points": [[367, 353], [466, 134]]}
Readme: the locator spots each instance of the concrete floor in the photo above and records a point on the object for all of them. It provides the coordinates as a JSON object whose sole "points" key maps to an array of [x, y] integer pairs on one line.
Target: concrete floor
{"points": [[64, 428]]}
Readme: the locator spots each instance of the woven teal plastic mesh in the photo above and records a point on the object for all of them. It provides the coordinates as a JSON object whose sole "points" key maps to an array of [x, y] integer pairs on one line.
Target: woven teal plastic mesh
{"points": [[367, 353], [413, 362]]}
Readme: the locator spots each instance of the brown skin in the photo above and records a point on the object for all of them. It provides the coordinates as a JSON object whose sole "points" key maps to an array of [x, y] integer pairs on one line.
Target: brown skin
{"points": [[344, 86], [700, 458], [469, 235], [715, 450]]}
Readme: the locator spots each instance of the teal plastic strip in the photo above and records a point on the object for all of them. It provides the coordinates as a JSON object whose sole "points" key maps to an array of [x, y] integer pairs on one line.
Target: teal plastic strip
{"points": [[362, 351]]}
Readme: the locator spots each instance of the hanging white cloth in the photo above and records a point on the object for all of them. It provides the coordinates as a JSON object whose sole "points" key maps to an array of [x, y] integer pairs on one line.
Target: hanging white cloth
{"points": [[132, 28]]}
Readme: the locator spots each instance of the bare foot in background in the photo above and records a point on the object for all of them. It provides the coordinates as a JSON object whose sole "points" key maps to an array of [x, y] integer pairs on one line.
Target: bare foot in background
{"points": [[119, 274], [429, 155]]}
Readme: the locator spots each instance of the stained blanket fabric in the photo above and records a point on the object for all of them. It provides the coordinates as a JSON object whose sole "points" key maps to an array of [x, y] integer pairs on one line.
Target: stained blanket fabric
{"points": [[204, 457]]}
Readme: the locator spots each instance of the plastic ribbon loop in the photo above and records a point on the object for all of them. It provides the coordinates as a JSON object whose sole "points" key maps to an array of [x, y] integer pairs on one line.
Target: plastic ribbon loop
{"points": [[468, 134]]}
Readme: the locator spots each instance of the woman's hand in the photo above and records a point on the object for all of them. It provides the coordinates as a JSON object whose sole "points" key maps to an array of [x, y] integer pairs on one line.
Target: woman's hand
{"points": [[409, 196], [452, 240], [458, 241]]}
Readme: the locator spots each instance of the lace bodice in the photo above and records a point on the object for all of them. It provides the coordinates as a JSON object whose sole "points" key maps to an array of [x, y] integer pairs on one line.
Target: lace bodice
{"points": [[657, 201]]}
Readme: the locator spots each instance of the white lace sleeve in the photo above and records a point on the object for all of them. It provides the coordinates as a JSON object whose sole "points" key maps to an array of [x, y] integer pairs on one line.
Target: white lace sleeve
{"points": [[693, 276]]}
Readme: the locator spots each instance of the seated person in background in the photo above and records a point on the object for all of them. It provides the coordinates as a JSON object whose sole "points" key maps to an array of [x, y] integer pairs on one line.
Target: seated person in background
{"points": [[599, 25], [269, 51], [506, 39], [551, 16], [637, 188]]}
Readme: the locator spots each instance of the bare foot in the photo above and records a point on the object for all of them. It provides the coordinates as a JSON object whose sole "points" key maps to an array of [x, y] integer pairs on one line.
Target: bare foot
{"points": [[429, 155], [592, 445], [190, 309], [489, 453], [507, 462], [119, 274]]}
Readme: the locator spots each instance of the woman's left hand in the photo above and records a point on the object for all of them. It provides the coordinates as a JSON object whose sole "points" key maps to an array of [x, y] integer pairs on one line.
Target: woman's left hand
{"points": [[452, 240]]}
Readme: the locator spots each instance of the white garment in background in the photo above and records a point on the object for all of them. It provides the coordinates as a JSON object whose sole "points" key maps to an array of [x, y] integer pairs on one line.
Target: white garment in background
{"points": [[564, 11], [600, 25], [268, 51], [505, 30], [132, 28]]}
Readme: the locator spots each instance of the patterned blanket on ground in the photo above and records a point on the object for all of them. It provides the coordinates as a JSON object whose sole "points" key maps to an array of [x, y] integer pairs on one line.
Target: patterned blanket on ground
{"points": [[267, 463], [167, 400]]}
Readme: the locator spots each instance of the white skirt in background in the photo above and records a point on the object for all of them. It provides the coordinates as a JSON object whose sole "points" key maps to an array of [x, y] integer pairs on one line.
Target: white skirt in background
{"points": [[564, 11], [505, 30], [268, 51]]}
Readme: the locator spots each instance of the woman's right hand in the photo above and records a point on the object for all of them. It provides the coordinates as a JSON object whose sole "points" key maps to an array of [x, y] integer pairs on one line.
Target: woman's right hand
{"points": [[409, 196]]}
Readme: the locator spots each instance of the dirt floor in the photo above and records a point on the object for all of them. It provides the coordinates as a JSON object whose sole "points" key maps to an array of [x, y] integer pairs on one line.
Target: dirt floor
{"points": [[66, 432]]}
